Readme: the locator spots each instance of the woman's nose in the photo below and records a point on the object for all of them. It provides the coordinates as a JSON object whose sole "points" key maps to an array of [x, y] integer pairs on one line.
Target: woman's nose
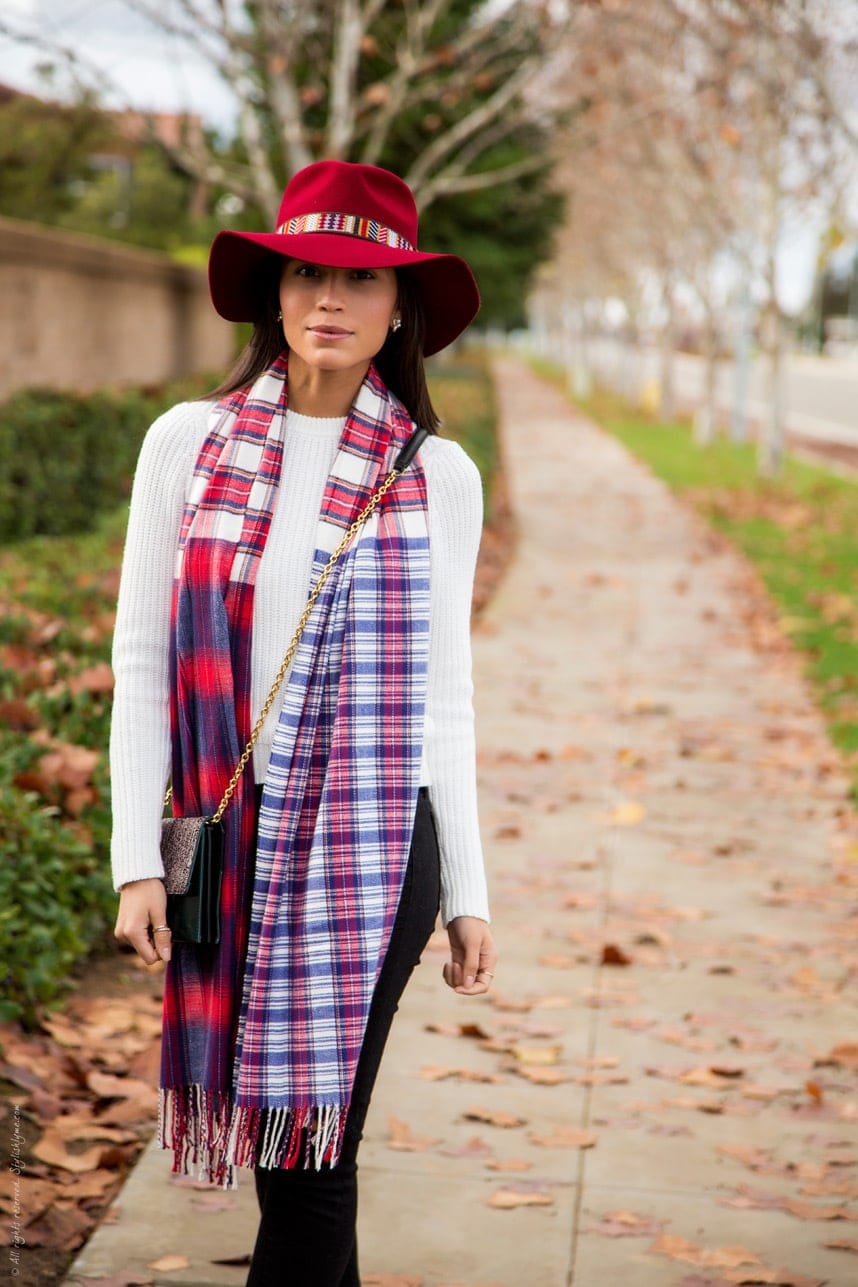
{"points": [[330, 289]]}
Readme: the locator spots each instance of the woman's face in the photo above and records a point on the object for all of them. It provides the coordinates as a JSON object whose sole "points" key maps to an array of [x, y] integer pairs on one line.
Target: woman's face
{"points": [[336, 319]]}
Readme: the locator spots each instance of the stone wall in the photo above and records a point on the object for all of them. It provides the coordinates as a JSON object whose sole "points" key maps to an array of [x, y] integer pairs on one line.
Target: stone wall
{"points": [[79, 312]]}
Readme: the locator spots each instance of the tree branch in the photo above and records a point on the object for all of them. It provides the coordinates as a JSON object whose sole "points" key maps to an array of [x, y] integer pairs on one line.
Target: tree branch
{"points": [[431, 157], [283, 96], [451, 181], [420, 19]]}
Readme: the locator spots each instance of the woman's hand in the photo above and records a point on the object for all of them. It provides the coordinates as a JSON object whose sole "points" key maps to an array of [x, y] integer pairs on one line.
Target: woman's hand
{"points": [[470, 968], [142, 906]]}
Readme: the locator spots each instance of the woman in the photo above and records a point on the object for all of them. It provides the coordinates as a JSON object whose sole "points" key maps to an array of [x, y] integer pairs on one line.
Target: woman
{"points": [[334, 869]]}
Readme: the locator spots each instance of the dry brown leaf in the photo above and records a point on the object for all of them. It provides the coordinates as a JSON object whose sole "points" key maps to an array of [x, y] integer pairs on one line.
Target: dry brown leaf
{"points": [[627, 1224], [600, 1079], [95, 679], [627, 814], [51, 1148], [565, 1137], [746, 1154], [753, 1090], [459, 1030], [691, 1253], [844, 1053], [613, 955], [543, 1056], [508, 1164], [841, 1244], [543, 1076], [436, 1072], [173, 1260], [507, 1121], [474, 1147], [746, 1198], [706, 1077], [402, 1138], [109, 1087], [559, 961], [62, 1227], [809, 1211], [507, 1199]]}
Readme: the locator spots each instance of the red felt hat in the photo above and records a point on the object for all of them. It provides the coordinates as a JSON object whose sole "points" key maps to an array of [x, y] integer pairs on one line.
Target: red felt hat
{"points": [[345, 215]]}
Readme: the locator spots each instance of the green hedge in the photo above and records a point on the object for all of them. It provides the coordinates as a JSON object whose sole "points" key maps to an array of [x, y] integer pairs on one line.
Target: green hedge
{"points": [[66, 457]]}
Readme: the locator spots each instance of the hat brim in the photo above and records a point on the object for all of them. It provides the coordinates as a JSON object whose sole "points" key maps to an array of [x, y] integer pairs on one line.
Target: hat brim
{"points": [[238, 277]]}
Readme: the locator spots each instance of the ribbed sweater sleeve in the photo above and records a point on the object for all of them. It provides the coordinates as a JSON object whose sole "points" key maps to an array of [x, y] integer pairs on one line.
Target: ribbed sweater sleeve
{"points": [[140, 723], [455, 504], [140, 736]]}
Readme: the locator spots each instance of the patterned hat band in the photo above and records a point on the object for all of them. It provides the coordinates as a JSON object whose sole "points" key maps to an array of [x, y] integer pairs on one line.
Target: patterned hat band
{"points": [[348, 225]]}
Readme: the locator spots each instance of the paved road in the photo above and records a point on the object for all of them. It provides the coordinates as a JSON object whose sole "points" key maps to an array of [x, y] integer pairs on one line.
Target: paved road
{"points": [[657, 1092], [821, 394]]}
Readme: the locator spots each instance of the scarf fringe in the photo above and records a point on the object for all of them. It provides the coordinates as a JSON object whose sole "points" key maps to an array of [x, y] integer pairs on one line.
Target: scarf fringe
{"points": [[211, 1136]]}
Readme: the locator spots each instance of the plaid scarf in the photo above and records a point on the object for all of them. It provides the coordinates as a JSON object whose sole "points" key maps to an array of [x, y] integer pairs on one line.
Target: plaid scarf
{"points": [[262, 1032]]}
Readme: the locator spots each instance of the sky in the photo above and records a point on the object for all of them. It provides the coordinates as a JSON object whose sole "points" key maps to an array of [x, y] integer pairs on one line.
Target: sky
{"points": [[150, 68], [156, 71]]}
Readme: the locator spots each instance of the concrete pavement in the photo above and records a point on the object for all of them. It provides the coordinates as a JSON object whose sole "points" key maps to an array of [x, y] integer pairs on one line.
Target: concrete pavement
{"points": [[662, 1087]]}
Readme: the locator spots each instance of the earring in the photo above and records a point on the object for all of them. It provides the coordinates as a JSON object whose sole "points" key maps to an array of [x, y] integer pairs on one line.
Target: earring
{"points": [[280, 315], [396, 323]]}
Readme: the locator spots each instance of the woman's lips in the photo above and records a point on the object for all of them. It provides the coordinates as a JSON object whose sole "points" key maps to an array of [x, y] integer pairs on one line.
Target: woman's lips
{"points": [[330, 332]]}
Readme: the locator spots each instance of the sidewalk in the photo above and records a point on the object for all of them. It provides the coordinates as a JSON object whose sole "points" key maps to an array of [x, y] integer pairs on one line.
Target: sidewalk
{"points": [[673, 876]]}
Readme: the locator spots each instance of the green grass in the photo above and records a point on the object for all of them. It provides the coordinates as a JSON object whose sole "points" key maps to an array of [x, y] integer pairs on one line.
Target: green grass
{"points": [[800, 530], [463, 395]]}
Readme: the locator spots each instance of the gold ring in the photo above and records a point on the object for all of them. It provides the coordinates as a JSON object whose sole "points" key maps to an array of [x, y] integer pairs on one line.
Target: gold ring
{"points": [[488, 972], [156, 928]]}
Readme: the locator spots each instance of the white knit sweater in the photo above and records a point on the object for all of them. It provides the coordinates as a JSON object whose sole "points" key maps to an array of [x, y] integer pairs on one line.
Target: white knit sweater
{"points": [[140, 734]]}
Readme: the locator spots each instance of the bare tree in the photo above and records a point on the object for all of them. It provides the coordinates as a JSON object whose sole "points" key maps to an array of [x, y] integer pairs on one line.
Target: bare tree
{"points": [[336, 79], [715, 119]]}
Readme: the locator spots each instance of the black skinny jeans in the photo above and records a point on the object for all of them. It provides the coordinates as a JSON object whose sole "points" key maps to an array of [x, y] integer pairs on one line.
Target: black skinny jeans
{"points": [[307, 1230]]}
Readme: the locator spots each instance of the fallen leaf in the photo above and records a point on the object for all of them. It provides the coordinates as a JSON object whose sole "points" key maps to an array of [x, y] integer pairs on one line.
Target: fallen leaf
{"points": [[170, 1261], [507, 1199], [613, 955], [565, 1137], [844, 1053], [508, 1164], [540, 1055], [506, 1121], [809, 1211], [627, 1224], [717, 1258], [95, 679], [841, 1244], [474, 1147], [51, 1148], [627, 814], [458, 1030], [433, 1072], [543, 1076], [402, 1138], [746, 1154]]}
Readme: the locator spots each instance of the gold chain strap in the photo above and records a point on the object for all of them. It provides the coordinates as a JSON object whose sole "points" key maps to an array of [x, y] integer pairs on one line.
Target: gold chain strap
{"points": [[296, 638]]}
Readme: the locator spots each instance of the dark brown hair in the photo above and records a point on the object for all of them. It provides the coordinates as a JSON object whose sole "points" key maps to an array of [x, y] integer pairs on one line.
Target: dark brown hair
{"points": [[400, 360]]}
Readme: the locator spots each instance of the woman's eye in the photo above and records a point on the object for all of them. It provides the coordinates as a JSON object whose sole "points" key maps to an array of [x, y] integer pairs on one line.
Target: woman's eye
{"points": [[306, 270], [364, 274]]}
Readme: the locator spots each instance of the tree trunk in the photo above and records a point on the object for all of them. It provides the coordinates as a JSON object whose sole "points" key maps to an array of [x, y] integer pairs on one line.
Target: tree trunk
{"points": [[770, 450], [667, 359], [706, 418]]}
